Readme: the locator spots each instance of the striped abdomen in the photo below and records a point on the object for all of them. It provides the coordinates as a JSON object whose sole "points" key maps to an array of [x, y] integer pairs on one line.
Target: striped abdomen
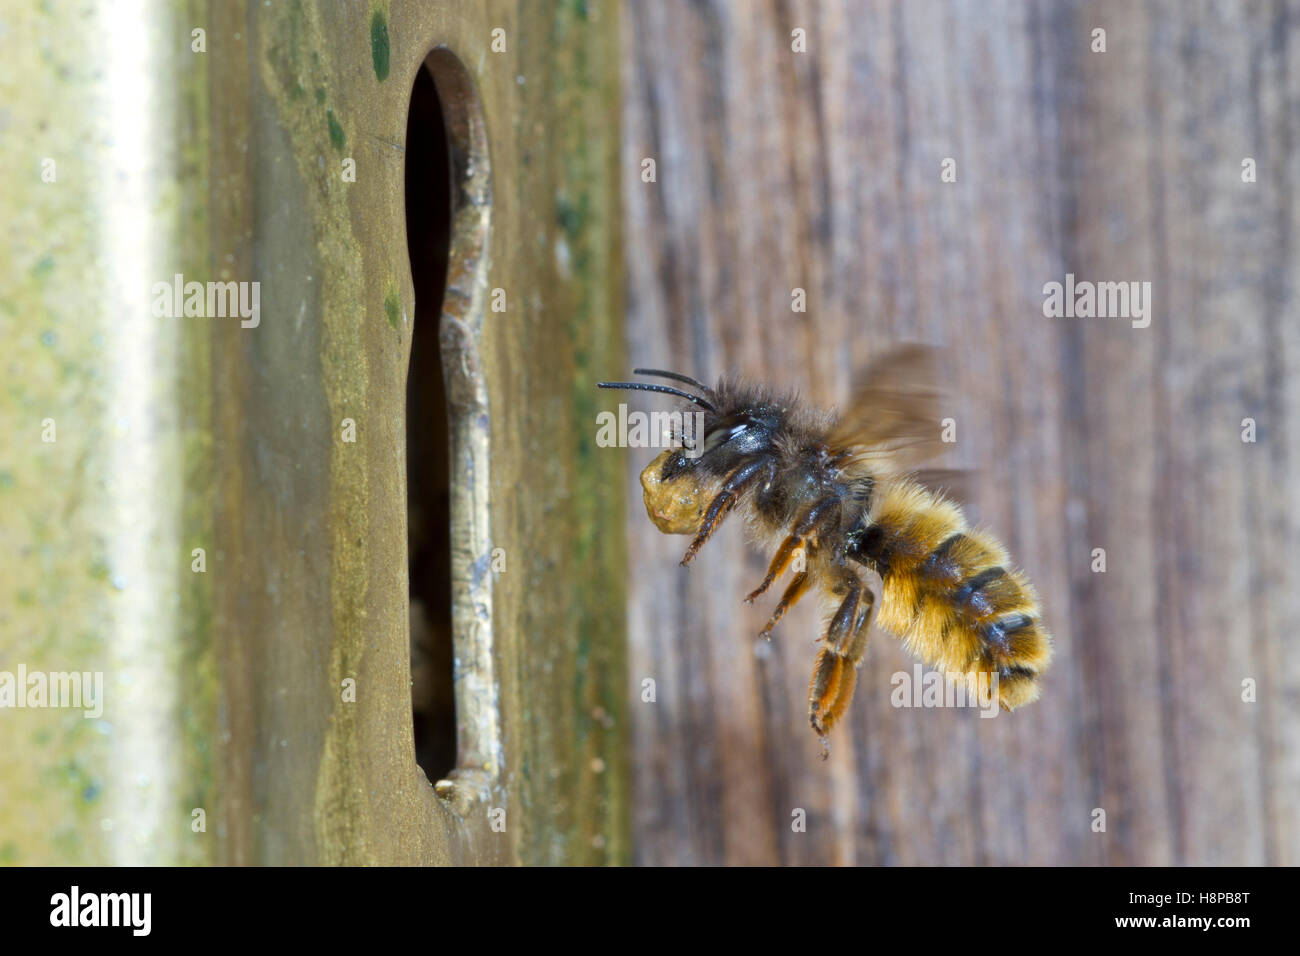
{"points": [[950, 593]]}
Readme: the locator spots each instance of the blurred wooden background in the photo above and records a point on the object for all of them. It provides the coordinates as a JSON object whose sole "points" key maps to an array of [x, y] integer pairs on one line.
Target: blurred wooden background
{"points": [[821, 170]]}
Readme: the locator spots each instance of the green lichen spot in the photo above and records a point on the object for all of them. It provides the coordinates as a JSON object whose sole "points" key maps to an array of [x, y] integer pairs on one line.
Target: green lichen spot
{"points": [[379, 45], [320, 96], [569, 217], [99, 569], [336, 131], [392, 308]]}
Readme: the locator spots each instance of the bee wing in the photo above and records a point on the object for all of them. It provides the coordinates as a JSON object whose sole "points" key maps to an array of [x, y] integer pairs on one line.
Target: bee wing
{"points": [[893, 417]]}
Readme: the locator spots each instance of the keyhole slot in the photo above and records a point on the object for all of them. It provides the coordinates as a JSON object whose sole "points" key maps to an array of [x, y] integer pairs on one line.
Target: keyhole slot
{"points": [[448, 209], [428, 489]]}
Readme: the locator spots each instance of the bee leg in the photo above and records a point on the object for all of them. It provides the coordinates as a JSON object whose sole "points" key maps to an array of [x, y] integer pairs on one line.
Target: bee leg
{"points": [[807, 524], [735, 485], [835, 672], [779, 562], [798, 585]]}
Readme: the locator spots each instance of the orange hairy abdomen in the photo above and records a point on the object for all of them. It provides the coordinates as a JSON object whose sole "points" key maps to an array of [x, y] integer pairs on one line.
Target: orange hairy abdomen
{"points": [[952, 597]]}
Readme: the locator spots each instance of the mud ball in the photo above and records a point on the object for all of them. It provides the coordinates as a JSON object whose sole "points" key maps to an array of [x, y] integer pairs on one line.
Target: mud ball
{"points": [[675, 506]]}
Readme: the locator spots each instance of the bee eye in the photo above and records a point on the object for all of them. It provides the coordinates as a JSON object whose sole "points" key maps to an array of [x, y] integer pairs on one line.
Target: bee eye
{"points": [[724, 435]]}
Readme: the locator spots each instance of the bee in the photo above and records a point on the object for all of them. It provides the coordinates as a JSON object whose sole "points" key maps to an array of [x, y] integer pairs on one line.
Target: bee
{"points": [[832, 496]]}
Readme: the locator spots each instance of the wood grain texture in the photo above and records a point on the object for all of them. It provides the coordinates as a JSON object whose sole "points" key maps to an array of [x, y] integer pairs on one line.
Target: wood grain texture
{"points": [[311, 575], [821, 171]]}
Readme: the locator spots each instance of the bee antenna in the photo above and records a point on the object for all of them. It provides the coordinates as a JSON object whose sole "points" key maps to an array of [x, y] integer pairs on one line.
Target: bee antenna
{"points": [[675, 376], [666, 389]]}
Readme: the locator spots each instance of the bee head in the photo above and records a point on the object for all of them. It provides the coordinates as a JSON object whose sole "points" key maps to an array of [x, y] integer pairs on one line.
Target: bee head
{"points": [[680, 482], [674, 491]]}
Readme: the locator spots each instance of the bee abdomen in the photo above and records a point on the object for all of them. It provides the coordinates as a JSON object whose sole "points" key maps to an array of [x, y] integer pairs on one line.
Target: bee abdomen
{"points": [[951, 595]]}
